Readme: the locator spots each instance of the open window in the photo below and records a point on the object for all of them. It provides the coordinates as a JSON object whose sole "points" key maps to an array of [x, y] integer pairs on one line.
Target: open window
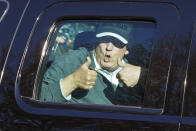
{"points": [[72, 26], [74, 40]]}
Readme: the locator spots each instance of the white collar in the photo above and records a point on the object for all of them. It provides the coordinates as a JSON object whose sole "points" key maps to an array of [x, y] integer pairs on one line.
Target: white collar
{"points": [[110, 76]]}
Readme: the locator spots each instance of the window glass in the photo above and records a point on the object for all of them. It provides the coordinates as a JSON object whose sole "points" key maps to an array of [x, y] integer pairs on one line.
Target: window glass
{"points": [[97, 62], [190, 93]]}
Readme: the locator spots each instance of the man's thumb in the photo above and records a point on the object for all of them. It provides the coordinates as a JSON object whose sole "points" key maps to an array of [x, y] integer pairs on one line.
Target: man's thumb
{"points": [[88, 62], [120, 63]]}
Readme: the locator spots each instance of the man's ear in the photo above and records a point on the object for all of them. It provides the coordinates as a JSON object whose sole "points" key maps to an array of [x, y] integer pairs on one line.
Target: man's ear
{"points": [[126, 52]]}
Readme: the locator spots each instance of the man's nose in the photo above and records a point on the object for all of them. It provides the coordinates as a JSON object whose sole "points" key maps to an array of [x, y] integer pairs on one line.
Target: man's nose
{"points": [[109, 46]]}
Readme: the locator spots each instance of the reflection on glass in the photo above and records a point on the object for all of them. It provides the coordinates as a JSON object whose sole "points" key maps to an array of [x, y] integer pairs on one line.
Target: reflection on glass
{"points": [[4, 6], [98, 62]]}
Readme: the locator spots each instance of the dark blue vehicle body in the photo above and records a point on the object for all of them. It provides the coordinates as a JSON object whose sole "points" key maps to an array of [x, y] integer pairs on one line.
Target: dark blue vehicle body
{"points": [[168, 105]]}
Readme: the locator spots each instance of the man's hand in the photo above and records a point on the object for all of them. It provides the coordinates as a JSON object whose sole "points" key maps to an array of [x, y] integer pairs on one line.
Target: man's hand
{"points": [[129, 74], [84, 77]]}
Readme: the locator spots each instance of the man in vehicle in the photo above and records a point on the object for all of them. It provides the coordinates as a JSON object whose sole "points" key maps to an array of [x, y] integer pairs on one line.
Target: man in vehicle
{"points": [[98, 76]]}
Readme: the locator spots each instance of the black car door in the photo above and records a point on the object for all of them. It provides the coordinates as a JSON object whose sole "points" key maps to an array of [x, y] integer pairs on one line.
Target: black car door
{"points": [[160, 108]]}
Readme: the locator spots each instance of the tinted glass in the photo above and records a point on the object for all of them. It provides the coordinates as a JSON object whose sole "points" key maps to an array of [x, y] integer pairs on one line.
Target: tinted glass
{"points": [[190, 93]]}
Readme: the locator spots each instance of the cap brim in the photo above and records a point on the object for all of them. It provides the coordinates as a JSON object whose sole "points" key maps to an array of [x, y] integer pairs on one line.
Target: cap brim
{"points": [[119, 37]]}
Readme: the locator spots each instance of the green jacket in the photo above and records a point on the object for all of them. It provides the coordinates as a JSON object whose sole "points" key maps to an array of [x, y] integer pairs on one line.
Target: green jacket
{"points": [[103, 91]]}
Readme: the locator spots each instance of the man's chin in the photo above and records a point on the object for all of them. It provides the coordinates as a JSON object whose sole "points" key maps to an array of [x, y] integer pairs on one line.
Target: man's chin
{"points": [[109, 68], [106, 65]]}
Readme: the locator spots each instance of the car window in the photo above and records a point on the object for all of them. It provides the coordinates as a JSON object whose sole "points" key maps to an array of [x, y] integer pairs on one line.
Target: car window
{"points": [[189, 104], [64, 39], [73, 41]]}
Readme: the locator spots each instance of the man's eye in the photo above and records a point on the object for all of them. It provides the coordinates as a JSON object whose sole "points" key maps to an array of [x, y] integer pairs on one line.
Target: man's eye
{"points": [[119, 45]]}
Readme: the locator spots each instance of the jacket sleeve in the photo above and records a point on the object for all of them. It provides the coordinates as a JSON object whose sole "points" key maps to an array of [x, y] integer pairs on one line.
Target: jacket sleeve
{"points": [[50, 88], [62, 67]]}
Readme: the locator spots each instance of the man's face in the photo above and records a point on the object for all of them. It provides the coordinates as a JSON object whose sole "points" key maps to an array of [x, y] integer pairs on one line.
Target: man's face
{"points": [[107, 55]]}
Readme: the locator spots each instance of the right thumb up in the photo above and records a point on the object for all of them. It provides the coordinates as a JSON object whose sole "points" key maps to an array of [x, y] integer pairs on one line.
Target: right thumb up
{"points": [[88, 62]]}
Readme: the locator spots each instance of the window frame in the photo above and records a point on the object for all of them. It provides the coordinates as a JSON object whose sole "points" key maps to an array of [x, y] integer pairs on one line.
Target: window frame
{"points": [[5, 10], [126, 13]]}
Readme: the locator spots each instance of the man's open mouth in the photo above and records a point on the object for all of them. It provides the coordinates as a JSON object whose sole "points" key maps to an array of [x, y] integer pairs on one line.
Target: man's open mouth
{"points": [[107, 58]]}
